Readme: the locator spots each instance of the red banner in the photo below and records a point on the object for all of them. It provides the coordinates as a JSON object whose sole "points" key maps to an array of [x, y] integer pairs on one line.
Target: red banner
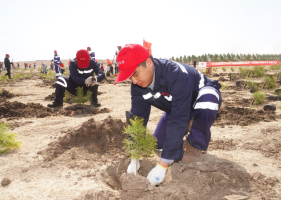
{"points": [[244, 63]]}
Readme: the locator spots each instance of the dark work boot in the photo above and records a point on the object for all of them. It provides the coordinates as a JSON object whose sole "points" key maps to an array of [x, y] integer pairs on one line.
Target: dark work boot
{"points": [[95, 103], [55, 104], [191, 154]]}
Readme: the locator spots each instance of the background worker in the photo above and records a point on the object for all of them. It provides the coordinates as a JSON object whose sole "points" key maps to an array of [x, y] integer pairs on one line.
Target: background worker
{"points": [[194, 63], [44, 68], [91, 53], [8, 65], [57, 63], [182, 92], [62, 68], [82, 70]]}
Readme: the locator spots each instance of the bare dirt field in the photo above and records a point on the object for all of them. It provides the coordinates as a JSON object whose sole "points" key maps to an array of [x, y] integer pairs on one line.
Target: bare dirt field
{"points": [[76, 153]]}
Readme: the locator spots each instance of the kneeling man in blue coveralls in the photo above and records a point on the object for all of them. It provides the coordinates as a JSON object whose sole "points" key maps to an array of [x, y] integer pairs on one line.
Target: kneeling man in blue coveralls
{"points": [[183, 93]]}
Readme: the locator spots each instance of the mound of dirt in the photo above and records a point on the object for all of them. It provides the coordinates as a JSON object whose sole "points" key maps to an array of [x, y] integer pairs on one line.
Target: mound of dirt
{"points": [[203, 181], [242, 102], [243, 116], [5, 94], [17, 109], [111, 79], [102, 137]]}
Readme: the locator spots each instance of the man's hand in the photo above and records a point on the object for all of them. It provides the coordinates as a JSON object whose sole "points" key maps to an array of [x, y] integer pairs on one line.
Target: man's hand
{"points": [[157, 175], [91, 81], [132, 166]]}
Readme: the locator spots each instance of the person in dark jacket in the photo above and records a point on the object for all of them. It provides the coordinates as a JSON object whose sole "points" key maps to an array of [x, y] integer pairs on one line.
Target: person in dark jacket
{"points": [[183, 93], [82, 70], [194, 63], [8, 66]]}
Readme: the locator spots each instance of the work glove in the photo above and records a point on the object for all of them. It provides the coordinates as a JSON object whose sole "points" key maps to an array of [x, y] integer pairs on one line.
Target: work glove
{"points": [[132, 166], [157, 175], [91, 81]]}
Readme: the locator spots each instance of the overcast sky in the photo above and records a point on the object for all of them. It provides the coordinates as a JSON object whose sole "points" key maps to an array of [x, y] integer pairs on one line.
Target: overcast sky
{"points": [[33, 29]]}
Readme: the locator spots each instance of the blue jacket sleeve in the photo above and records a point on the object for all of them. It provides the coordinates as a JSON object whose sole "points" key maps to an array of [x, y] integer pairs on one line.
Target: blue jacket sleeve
{"points": [[180, 112], [139, 107], [75, 76], [98, 72]]}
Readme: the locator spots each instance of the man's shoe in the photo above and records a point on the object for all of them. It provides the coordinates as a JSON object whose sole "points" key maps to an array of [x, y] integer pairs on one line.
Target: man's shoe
{"points": [[55, 104], [191, 154], [95, 103]]}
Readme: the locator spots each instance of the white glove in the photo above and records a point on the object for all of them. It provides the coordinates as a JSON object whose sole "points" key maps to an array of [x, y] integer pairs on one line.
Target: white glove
{"points": [[90, 81], [157, 175], [132, 166]]}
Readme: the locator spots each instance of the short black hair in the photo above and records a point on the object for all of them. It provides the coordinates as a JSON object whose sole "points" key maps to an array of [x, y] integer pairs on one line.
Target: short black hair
{"points": [[144, 62]]}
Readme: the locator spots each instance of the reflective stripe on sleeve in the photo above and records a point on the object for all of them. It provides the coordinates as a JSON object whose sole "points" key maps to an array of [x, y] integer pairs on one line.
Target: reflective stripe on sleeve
{"points": [[182, 67], [64, 84], [208, 91], [147, 96], [207, 105], [88, 71], [80, 72]]}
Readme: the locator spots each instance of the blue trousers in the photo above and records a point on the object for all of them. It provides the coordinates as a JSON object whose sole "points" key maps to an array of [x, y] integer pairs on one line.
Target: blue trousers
{"points": [[203, 112], [57, 69]]}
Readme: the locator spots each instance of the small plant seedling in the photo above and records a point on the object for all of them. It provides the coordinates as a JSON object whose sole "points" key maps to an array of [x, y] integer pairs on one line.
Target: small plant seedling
{"points": [[233, 77], [259, 98], [223, 69], [81, 98], [275, 67], [270, 82], [252, 86], [223, 87], [232, 69], [214, 69], [66, 95], [8, 140], [4, 79], [244, 72], [139, 142], [258, 71]]}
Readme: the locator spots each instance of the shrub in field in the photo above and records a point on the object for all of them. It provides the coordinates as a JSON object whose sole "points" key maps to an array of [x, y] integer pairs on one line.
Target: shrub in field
{"points": [[17, 76], [232, 69], [81, 98], [66, 95], [223, 87], [258, 71], [8, 140], [252, 86], [275, 67], [245, 72], [214, 69], [259, 98], [4, 79], [270, 82], [233, 77], [139, 142], [223, 69]]}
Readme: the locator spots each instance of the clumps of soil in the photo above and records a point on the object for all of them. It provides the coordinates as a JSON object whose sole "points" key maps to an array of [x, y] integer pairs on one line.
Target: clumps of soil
{"points": [[207, 180], [5, 94], [18, 124], [111, 79], [243, 116], [47, 83], [223, 79], [225, 144], [92, 137], [113, 173], [243, 102], [79, 109], [52, 96], [18, 109]]}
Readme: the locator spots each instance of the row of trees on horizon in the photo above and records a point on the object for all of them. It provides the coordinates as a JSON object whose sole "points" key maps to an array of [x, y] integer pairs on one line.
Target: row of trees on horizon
{"points": [[226, 58]]}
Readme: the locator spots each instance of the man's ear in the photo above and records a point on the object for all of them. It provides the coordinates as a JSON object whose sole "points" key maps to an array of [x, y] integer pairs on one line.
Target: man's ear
{"points": [[149, 63]]}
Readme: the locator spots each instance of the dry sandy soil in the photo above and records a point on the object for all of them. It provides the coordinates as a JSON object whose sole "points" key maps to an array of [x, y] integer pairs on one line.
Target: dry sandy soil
{"points": [[76, 153]]}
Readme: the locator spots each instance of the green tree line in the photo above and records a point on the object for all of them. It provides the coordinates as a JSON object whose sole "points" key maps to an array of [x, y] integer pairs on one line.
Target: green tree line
{"points": [[226, 58]]}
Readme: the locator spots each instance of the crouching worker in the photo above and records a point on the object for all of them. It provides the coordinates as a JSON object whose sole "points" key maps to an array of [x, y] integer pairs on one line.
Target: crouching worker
{"points": [[82, 69], [182, 92]]}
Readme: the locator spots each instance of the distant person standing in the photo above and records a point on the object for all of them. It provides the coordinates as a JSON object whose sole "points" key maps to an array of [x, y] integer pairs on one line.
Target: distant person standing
{"points": [[8, 65], [51, 66], [107, 70], [29, 66], [102, 68], [34, 65], [62, 68], [57, 63], [116, 68], [194, 63], [92, 54], [44, 68], [18, 65]]}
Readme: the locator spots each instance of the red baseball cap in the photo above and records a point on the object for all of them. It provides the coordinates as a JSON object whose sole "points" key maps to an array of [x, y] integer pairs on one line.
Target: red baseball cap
{"points": [[7, 55], [83, 58], [55, 51], [128, 59], [88, 48]]}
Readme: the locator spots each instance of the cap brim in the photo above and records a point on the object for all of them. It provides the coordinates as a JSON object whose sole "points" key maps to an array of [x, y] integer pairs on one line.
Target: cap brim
{"points": [[125, 74]]}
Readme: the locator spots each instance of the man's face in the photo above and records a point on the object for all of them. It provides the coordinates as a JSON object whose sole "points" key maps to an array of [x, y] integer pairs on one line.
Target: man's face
{"points": [[143, 76], [56, 53]]}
